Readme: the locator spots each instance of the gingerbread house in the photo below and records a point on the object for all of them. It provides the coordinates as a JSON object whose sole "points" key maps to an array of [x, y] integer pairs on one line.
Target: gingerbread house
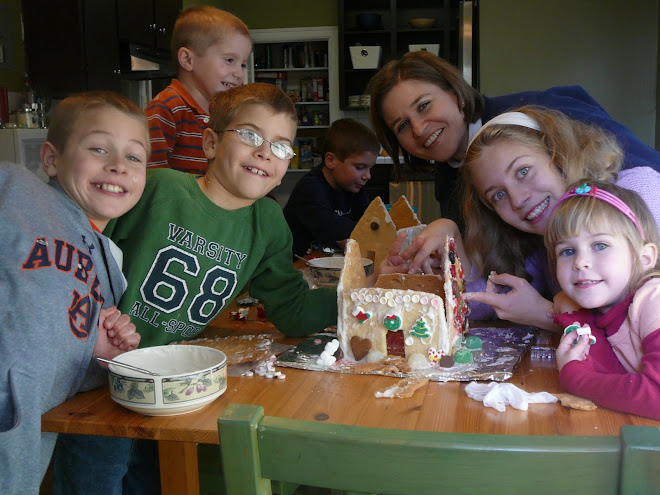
{"points": [[419, 317]]}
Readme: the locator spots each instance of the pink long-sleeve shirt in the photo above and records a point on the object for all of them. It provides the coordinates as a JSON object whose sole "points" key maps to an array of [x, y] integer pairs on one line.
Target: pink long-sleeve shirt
{"points": [[622, 370]]}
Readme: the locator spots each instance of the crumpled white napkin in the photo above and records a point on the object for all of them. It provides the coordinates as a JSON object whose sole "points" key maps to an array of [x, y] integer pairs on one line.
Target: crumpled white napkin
{"points": [[498, 395]]}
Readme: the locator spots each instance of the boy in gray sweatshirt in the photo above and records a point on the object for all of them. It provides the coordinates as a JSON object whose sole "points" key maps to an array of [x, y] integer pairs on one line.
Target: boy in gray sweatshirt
{"points": [[60, 278]]}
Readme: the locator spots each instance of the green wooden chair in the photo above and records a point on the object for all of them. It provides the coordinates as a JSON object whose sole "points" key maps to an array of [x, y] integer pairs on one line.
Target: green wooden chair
{"points": [[353, 459]]}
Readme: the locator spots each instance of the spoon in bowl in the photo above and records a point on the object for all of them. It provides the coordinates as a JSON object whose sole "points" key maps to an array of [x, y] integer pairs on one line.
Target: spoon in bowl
{"points": [[302, 259], [128, 366]]}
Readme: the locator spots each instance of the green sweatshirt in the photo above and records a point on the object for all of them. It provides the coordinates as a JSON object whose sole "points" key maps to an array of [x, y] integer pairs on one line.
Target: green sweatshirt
{"points": [[186, 259]]}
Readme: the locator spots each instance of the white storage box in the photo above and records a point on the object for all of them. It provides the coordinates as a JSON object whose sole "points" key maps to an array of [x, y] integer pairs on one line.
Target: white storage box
{"points": [[432, 48], [365, 57]]}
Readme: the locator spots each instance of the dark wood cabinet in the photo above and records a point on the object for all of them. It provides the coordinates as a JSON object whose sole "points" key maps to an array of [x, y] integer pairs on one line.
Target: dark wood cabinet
{"points": [[55, 45], [394, 34], [101, 45], [147, 22], [77, 45]]}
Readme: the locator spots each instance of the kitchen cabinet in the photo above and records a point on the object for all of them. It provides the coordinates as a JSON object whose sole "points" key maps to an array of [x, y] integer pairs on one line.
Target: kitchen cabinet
{"points": [[147, 22], [393, 34], [71, 45], [76, 45]]}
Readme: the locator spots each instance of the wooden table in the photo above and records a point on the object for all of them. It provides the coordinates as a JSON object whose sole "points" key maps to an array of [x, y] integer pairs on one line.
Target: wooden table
{"points": [[331, 397]]}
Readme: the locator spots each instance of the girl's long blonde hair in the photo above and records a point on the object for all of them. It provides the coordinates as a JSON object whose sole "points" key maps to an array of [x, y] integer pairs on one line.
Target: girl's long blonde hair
{"points": [[577, 150], [595, 215]]}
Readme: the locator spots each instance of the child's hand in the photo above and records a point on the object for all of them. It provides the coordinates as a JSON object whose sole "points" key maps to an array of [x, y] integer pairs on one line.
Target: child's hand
{"points": [[567, 351], [116, 334], [394, 263], [426, 250], [522, 304]]}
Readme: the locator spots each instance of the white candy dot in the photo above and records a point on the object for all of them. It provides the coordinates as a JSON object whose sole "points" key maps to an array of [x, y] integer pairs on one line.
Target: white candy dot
{"points": [[281, 376], [368, 298], [354, 296], [391, 303], [424, 300], [415, 298], [382, 300], [389, 295], [406, 298], [409, 341], [269, 375], [435, 302], [361, 296], [398, 299]]}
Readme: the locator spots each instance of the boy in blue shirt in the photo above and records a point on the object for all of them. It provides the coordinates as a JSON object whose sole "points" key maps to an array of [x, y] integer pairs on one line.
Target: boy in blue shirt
{"points": [[328, 201]]}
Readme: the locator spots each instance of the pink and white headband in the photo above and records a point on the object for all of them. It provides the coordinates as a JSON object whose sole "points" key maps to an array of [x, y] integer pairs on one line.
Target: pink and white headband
{"points": [[509, 118], [585, 190]]}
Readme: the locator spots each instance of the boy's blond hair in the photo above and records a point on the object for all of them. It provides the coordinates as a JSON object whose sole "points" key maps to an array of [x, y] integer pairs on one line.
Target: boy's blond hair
{"points": [[226, 105], [201, 26], [67, 114], [576, 149], [595, 215]]}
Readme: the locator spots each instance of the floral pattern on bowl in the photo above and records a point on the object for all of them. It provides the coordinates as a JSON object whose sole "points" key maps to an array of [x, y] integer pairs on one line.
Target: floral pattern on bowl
{"points": [[139, 390], [178, 389]]}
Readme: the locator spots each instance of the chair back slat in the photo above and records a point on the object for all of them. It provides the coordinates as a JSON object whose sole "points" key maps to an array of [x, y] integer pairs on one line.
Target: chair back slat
{"points": [[257, 448]]}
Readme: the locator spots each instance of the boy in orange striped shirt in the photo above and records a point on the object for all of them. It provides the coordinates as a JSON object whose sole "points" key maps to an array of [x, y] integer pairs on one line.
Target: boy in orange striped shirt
{"points": [[210, 48]]}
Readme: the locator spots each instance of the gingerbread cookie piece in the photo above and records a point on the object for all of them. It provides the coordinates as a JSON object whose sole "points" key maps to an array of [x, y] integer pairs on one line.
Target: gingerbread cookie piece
{"points": [[423, 283], [574, 402], [375, 232], [403, 215], [403, 389]]}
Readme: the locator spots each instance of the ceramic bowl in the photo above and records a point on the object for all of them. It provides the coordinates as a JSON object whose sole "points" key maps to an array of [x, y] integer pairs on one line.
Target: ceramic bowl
{"points": [[189, 378], [422, 22], [326, 271]]}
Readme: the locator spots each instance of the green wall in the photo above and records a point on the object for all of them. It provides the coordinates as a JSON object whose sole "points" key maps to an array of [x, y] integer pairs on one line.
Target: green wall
{"points": [[278, 13], [608, 46]]}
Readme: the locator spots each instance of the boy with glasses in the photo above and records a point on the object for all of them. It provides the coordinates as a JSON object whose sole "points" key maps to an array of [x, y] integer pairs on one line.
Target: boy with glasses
{"points": [[191, 244]]}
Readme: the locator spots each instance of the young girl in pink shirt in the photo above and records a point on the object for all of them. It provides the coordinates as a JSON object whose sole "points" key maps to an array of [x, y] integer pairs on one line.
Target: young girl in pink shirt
{"points": [[603, 242]]}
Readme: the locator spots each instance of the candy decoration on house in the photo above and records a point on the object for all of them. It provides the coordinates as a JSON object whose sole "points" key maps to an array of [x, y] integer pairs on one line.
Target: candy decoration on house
{"points": [[420, 329], [361, 314], [435, 355], [473, 343], [392, 322], [462, 356]]}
